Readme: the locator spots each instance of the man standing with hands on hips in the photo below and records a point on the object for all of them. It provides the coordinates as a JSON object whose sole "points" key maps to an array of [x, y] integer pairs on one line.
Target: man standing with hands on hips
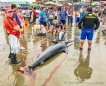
{"points": [[88, 24]]}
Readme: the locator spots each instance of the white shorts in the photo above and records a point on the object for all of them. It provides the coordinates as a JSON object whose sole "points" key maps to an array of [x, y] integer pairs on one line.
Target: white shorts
{"points": [[14, 44]]}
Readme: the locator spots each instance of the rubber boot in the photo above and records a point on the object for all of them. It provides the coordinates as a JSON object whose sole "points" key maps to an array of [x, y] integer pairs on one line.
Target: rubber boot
{"points": [[13, 59], [10, 55]]}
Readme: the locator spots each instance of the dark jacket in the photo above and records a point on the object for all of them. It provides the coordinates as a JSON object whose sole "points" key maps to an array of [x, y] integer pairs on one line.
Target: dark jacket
{"points": [[89, 21]]}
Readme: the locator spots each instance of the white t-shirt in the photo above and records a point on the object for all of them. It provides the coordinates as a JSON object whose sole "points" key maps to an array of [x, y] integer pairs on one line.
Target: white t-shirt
{"points": [[81, 9]]}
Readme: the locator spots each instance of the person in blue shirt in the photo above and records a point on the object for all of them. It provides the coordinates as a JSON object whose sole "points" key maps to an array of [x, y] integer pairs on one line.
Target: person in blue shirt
{"points": [[59, 8], [50, 17], [43, 17], [58, 26], [63, 16], [70, 18]]}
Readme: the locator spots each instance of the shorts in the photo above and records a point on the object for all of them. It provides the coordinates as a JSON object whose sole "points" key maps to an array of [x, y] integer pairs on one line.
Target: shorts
{"points": [[14, 43], [34, 19], [87, 33], [50, 22], [77, 19], [70, 20], [63, 21], [43, 23]]}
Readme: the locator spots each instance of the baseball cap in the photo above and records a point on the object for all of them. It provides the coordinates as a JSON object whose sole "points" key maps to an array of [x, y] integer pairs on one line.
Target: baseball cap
{"points": [[89, 9], [8, 10]]}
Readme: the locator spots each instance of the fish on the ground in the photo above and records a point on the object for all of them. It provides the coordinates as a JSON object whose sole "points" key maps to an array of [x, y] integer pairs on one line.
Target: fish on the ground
{"points": [[47, 54], [39, 30], [60, 36]]}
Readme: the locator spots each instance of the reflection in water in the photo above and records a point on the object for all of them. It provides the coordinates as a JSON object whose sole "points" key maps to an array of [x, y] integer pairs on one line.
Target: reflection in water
{"points": [[29, 34], [98, 38], [77, 39], [23, 53], [24, 42], [104, 37], [44, 45], [76, 45], [22, 56], [83, 71], [19, 78]]}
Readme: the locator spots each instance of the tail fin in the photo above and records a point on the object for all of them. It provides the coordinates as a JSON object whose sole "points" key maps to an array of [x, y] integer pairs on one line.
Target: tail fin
{"points": [[30, 71]]}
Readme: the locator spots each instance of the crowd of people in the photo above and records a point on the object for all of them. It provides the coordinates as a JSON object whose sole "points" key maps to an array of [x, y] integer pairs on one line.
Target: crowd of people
{"points": [[53, 19]]}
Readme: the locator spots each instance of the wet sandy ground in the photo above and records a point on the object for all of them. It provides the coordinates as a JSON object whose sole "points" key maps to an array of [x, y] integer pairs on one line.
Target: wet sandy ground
{"points": [[62, 69]]}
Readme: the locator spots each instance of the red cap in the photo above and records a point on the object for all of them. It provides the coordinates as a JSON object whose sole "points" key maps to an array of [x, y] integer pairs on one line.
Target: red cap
{"points": [[8, 10]]}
